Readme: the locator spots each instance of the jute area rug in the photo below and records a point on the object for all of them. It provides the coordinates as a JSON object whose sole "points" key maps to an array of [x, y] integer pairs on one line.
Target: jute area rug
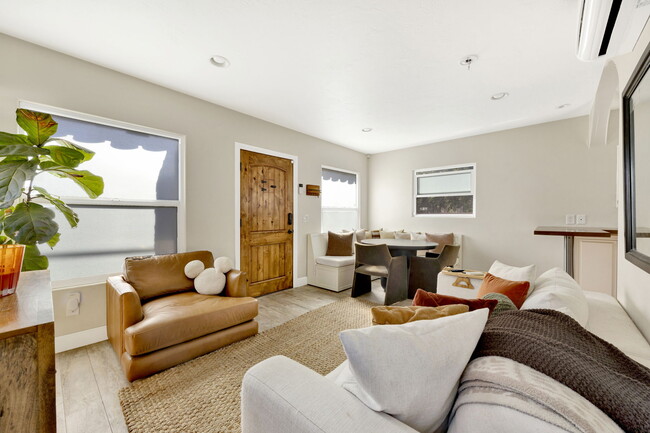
{"points": [[202, 395]]}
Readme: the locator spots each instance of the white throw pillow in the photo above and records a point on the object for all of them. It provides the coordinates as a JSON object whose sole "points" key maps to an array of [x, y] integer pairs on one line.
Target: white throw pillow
{"points": [[556, 290], [223, 264], [210, 282], [513, 273], [410, 371], [194, 268], [418, 236]]}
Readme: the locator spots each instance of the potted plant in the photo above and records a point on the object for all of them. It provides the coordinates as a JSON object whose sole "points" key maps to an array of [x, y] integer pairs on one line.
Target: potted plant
{"points": [[26, 215]]}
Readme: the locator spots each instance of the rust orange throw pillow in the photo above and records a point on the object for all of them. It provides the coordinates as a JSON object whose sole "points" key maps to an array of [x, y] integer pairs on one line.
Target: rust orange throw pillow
{"points": [[426, 299], [515, 290]]}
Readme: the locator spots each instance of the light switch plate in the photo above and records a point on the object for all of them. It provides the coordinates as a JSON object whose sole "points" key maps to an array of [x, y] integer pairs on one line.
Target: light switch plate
{"points": [[569, 219], [581, 219]]}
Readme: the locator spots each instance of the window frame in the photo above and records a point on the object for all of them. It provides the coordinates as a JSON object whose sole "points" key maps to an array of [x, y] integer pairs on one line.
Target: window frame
{"points": [[179, 204], [358, 208], [415, 194]]}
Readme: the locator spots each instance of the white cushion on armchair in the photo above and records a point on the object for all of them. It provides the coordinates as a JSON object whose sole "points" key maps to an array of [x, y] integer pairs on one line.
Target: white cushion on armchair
{"points": [[335, 261]]}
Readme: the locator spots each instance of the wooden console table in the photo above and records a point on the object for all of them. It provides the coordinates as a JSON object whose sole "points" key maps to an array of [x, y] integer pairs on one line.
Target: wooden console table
{"points": [[27, 378]]}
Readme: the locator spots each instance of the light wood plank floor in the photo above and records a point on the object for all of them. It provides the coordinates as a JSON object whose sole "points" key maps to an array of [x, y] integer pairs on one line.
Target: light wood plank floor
{"points": [[88, 378]]}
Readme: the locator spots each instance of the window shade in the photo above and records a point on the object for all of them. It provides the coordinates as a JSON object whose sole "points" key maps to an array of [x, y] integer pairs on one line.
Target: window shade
{"points": [[453, 183], [339, 176]]}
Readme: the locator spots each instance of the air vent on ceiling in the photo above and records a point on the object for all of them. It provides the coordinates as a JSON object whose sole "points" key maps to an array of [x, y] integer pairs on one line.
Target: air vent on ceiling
{"points": [[610, 27]]}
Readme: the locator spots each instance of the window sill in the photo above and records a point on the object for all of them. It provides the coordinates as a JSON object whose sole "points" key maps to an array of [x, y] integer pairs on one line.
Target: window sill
{"points": [[446, 216]]}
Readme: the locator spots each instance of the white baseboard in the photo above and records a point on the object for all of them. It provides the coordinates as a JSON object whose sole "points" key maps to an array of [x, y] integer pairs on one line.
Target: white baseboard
{"points": [[79, 339], [300, 281]]}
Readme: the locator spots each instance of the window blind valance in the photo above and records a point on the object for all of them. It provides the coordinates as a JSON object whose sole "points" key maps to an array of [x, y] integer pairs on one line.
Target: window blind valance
{"points": [[339, 176]]}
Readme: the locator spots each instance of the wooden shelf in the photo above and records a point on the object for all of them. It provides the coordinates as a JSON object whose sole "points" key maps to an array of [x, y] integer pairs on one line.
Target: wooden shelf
{"points": [[595, 232]]}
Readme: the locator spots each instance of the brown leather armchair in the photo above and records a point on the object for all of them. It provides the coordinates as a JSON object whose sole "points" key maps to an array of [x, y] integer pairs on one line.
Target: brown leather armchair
{"points": [[156, 320]]}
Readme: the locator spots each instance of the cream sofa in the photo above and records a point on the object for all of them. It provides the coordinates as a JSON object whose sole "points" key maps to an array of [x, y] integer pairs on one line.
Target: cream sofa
{"points": [[281, 395]]}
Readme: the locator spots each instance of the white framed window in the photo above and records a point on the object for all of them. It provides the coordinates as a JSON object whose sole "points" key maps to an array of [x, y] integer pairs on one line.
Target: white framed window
{"points": [[445, 191], [142, 209], [339, 199]]}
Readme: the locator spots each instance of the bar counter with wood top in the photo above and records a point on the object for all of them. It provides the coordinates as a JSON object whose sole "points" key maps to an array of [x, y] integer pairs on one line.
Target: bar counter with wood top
{"points": [[569, 233]]}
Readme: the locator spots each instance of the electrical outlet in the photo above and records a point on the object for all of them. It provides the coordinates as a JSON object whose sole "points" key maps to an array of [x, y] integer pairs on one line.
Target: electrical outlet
{"points": [[305, 218], [581, 219], [569, 219], [72, 304]]}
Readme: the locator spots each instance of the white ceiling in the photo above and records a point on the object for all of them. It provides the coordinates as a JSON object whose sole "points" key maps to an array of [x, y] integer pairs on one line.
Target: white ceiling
{"points": [[329, 68]]}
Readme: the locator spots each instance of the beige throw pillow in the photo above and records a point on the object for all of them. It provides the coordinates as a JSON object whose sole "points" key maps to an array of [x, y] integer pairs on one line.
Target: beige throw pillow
{"points": [[417, 236], [441, 238], [386, 235], [401, 235]]}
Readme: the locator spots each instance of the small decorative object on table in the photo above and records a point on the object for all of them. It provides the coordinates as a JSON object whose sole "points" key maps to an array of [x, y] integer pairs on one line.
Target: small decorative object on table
{"points": [[463, 277], [11, 260], [458, 282]]}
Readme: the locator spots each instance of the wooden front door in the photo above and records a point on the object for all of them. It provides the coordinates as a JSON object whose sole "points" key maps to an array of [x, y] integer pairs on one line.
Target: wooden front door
{"points": [[266, 242]]}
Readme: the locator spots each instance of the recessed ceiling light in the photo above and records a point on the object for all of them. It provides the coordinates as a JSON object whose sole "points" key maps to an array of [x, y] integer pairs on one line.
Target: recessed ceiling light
{"points": [[468, 60], [366, 130], [499, 95], [559, 107], [220, 61]]}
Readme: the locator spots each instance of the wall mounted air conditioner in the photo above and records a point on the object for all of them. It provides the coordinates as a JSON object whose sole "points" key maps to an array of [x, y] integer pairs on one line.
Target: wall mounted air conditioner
{"points": [[610, 27]]}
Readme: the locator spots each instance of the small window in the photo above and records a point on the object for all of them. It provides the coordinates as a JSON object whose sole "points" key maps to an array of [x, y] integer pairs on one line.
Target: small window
{"points": [[339, 200], [445, 191]]}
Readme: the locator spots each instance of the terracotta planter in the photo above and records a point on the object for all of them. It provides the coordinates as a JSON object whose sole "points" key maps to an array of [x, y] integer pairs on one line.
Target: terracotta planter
{"points": [[11, 261]]}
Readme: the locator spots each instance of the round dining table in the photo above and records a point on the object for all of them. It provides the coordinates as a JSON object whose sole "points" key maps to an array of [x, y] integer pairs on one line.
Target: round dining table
{"points": [[402, 247]]}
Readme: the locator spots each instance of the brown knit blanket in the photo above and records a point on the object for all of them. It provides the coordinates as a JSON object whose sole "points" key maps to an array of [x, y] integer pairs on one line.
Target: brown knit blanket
{"points": [[556, 345]]}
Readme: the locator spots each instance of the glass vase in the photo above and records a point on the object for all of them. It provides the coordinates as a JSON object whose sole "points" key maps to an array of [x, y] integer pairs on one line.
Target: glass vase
{"points": [[11, 261]]}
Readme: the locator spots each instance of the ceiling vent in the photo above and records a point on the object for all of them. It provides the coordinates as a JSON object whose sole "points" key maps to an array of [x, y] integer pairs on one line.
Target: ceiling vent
{"points": [[610, 27]]}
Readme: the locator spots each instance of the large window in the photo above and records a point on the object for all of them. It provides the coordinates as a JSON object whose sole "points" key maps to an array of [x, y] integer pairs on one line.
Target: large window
{"points": [[141, 211], [339, 200], [445, 191]]}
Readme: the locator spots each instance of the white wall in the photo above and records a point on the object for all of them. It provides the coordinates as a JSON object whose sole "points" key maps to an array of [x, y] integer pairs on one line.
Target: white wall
{"points": [[526, 177], [44, 76], [633, 287]]}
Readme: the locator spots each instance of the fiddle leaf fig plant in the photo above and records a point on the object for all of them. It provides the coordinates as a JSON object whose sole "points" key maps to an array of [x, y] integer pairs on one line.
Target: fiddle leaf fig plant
{"points": [[26, 215]]}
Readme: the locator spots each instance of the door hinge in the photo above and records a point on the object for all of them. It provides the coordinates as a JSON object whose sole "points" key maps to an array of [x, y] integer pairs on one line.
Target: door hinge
{"points": [[240, 222], [241, 166]]}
